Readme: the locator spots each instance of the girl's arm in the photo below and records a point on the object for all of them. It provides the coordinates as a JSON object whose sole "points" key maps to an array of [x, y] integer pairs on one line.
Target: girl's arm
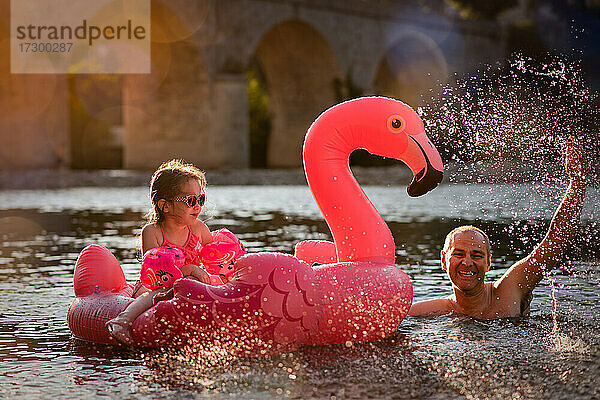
{"points": [[150, 240], [195, 272]]}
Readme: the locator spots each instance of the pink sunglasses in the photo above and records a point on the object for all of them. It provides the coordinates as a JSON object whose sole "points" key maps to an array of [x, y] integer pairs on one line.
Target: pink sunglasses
{"points": [[191, 200]]}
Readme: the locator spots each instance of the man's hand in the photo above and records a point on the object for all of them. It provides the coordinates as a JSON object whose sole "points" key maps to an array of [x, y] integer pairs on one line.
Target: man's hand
{"points": [[574, 161], [525, 274]]}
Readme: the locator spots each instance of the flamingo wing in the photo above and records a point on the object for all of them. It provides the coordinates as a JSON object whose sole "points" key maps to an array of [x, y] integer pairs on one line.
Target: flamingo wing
{"points": [[272, 304]]}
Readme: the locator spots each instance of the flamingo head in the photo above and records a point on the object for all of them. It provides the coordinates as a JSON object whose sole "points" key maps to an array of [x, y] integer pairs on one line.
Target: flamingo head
{"points": [[387, 128]]}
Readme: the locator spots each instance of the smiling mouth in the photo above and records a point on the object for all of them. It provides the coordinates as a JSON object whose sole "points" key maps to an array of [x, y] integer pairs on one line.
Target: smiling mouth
{"points": [[465, 273]]}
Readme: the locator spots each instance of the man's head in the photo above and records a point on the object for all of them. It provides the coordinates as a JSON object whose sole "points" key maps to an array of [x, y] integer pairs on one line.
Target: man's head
{"points": [[468, 228], [466, 257]]}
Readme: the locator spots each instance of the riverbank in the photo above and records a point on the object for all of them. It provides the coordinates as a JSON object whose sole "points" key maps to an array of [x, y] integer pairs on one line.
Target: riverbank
{"points": [[395, 175]]}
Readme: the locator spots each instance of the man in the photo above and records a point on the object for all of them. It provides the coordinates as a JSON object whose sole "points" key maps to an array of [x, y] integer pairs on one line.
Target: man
{"points": [[466, 258]]}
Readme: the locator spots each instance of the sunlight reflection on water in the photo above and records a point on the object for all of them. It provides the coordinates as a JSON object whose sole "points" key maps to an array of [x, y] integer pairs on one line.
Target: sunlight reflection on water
{"points": [[43, 232]]}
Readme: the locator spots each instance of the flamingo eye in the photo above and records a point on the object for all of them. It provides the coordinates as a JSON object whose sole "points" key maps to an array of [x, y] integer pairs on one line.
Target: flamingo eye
{"points": [[396, 123]]}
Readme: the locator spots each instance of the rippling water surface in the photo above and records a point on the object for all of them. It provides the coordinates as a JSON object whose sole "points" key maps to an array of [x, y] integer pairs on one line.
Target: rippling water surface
{"points": [[42, 232]]}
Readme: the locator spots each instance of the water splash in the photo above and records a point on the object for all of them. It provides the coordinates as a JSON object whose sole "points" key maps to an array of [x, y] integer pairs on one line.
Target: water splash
{"points": [[509, 123], [561, 342], [513, 120], [215, 371]]}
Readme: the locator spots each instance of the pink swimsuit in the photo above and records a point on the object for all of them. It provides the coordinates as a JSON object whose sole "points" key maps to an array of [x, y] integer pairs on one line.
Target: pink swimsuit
{"points": [[218, 257], [191, 248]]}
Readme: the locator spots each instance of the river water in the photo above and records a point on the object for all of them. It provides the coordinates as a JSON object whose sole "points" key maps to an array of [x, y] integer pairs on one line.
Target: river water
{"points": [[552, 354]]}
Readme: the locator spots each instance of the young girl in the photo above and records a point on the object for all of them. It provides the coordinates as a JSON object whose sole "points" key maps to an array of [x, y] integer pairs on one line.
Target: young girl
{"points": [[177, 196]]}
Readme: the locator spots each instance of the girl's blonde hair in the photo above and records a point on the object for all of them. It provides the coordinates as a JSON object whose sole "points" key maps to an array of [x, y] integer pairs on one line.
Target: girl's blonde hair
{"points": [[166, 182]]}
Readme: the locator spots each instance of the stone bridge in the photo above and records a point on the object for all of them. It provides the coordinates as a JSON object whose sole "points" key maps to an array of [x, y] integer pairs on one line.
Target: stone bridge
{"points": [[306, 54]]}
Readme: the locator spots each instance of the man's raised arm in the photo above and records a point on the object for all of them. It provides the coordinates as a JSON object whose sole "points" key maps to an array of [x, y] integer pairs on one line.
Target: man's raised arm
{"points": [[525, 274]]}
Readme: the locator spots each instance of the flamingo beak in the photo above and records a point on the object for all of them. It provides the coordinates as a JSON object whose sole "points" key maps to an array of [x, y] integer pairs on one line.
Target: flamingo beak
{"points": [[425, 163]]}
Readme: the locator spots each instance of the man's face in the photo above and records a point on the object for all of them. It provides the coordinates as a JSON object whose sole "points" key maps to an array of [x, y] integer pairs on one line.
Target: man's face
{"points": [[466, 260]]}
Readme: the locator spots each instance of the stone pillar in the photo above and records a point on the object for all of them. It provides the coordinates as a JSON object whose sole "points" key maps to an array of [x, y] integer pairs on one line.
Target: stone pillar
{"points": [[34, 122], [229, 137], [168, 113], [34, 112]]}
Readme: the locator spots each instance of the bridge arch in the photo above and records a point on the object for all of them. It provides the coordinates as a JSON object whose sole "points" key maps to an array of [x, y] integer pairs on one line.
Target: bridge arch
{"points": [[410, 67], [299, 68]]}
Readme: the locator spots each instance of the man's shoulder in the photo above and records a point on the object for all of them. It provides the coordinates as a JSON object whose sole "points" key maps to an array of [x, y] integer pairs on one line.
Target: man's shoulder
{"points": [[508, 300], [429, 306], [509, 287]]}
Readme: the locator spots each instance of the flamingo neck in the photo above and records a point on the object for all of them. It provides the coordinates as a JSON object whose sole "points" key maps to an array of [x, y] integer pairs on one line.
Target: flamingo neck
{"points": [[359, 232]]}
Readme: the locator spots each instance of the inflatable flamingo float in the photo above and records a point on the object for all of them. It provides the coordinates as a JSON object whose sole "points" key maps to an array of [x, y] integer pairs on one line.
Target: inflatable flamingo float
{"points": [[277, 302], [365, 296]]}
